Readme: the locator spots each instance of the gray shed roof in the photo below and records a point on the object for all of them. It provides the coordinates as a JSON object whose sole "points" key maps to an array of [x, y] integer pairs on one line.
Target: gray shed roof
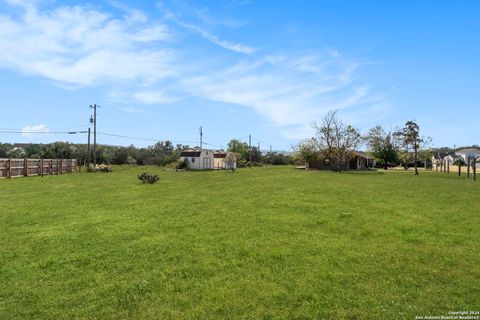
{"points": [[468, 151]]}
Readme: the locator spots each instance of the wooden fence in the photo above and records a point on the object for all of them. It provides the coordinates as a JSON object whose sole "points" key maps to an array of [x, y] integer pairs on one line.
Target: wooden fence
{"points": [[11, 168]]}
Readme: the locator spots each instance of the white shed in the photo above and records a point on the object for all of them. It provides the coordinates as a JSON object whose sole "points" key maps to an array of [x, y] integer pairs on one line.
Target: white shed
{"points": [[198, 159]]}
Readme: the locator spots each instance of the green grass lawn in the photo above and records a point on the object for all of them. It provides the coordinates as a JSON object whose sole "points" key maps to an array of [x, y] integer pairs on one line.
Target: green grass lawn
{"points": [[261, 243]]}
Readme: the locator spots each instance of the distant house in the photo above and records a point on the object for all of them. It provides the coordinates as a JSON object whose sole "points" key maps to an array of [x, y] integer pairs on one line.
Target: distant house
{"points": [[448, 160], [224, 160], [198, 159], [358, 161], [469, 153]]}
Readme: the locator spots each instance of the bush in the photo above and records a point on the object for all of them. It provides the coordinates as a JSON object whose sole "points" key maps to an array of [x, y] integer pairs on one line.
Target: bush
{"points": [[181, 164], [99, 168], [241, 164], [148, 178]]}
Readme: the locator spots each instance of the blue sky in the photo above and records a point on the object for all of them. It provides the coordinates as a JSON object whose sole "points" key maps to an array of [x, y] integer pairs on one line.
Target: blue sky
{"points": [[162, 69]]}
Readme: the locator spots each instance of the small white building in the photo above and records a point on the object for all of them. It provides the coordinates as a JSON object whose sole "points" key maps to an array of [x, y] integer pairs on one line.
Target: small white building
{"points": [[448, 160], [469, 153], [224, 160], [198, 159]]}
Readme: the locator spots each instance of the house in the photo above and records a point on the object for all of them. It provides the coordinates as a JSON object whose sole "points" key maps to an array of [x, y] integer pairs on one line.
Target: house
{"points": [[198, 159], [469, 154], [224, 160], [448, 160], [358, 161]]}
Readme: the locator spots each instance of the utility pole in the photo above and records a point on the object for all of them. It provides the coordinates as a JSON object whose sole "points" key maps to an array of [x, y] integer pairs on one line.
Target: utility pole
{"points": [[94, 107], [89, 153], [201, 137], [250, 148], [270, 148]]}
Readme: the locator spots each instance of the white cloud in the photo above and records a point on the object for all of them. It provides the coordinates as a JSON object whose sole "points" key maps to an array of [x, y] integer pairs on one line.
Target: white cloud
{"points": [[135, 59], [64, 45], [291, 92], [237, 47], [153, 97], [29, 131]]}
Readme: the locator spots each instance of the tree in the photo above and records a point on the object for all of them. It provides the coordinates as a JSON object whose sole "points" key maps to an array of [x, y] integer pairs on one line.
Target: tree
{"points": [[383, 146], [5, 149], [336, 139], [230, 160], [275, 158], [410, 136], [238, 147], [306, 151]]}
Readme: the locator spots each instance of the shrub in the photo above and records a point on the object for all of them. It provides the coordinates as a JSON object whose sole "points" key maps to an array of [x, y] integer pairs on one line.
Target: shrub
{"points": [[148, 178], [181, 164], [241, 164], [99, 168]]}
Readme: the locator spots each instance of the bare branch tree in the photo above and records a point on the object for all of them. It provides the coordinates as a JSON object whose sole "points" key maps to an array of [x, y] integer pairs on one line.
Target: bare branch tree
{"points": [[336, 139]]}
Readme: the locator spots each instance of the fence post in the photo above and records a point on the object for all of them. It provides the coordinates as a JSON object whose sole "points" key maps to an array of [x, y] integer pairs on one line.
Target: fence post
{"points": [[459, 168], [41, 167], [25, 167], [448, 167], [474, 168], [9, 168], [468, 167]]}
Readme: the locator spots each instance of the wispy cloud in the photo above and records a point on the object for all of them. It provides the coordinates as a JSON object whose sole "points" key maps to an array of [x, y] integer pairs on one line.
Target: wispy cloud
{"points": [[291, 92], [30, 130], [237, 47], [140, 61]]}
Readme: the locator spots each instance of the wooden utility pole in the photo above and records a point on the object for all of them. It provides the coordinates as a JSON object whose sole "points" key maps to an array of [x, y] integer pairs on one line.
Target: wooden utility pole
{"points": [[89, 152], [201, 137], [94, 107]]}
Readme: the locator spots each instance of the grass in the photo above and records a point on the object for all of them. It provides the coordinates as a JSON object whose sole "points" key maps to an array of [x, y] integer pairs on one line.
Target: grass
{"points": [[261, 243]]}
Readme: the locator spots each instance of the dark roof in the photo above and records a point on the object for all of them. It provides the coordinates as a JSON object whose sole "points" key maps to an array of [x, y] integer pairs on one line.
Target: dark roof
{"points": [[190, 153], [219, 155]]}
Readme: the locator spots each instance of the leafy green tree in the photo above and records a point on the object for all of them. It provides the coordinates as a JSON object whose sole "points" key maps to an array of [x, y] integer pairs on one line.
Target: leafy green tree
{"points": [[5, 149], [411, 138], [238, 147], [383, 146], [306, 151], [275, 158], [33, 151]]}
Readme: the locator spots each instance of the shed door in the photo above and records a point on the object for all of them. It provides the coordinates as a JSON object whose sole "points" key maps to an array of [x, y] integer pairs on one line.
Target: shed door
{"points": [[207, 163]]}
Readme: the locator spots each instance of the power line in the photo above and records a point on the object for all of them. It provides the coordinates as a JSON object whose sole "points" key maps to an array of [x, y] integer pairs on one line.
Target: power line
{"points": [[127, 137], [144, 139], [47, 132]]}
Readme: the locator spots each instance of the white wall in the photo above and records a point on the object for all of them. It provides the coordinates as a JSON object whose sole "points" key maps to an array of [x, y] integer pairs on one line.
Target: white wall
{"points": [[199, 163]]}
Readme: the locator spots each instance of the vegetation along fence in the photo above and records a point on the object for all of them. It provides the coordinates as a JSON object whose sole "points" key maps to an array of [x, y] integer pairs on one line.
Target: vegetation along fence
{"points": [[11, 168]]}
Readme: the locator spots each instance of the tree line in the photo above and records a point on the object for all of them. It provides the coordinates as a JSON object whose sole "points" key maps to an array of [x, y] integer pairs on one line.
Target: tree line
{"points": [[161, 153]]}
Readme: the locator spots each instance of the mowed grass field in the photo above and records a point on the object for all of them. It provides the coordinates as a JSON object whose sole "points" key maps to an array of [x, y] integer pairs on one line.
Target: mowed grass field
{"points": [[261, 243]]}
